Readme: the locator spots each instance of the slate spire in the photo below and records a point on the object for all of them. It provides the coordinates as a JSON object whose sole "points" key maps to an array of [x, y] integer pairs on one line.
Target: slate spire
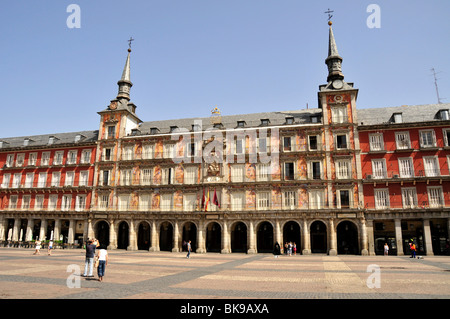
{"points": [[334, 60], [125, 82]]}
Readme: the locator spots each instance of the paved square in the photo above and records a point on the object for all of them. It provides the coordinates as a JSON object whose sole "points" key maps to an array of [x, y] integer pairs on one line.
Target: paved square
{"points": [[164, 275]]}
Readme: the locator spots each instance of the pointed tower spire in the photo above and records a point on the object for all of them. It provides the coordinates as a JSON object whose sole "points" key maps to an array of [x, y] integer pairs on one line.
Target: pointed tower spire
{"points": [[125, 82], [334, 60]]}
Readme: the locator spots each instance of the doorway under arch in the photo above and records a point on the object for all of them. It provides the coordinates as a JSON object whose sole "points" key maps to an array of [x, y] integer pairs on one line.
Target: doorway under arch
{"points": [[239, 238], [123, 236], [143, 241], [347, 238], [190, 234], [318, 234], [291, 233], [265, 238], [213, 237], [166, 237], [102, 233]]}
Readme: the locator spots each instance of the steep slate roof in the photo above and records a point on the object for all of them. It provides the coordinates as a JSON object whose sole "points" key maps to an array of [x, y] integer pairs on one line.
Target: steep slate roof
{"points": [[410, 114], [231, 121], [61, 139]]}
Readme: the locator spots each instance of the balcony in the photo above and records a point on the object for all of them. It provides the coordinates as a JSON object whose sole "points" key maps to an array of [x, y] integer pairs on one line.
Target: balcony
{"points": [[416, 175]]}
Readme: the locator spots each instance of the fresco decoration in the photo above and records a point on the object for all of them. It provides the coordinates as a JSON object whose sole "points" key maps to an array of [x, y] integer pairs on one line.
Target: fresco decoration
{"points": [[275, 170], [250, 171], [301, 141], [179, 174], [159, 148], [157, 175], [138, 150], [250, 199], [156, 200], [178, 200], [302, 170], [303, 200], [134, 201], [276, 198]]}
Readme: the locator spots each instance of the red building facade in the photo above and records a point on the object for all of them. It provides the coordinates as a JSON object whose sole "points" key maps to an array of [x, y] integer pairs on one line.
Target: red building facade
{"points": [[405, 165], [46, 185]]}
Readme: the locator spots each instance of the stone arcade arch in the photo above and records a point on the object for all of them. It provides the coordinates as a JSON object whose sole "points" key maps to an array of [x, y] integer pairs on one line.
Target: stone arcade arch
{"points": [[166, 236], [144, 236], [347, 238], [213, 237], [292, 233], [190, 233], [265, 237], [123, 238], [102, 232], [318, 235], [239, 238]]}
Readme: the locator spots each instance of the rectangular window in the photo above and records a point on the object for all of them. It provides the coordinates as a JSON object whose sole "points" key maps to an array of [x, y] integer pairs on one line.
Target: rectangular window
{"points": [[263, 145], [86, 157], [29, 178], [146, 176], [237, 201], [402, 140], [263, 200], [52, 202], [124, 202], [344, 198], [13, 202], [189, 202], [58, 158], [144, 202], [166, 202], [84, 178], [104, 201], [148, 152], [125, 177], [190, 176], [66, 202], [381, 198], [10, 160], [42, 179], [289, 199], [105, 180], [70, 177], [6, 179], [341, 141], [314, 170], [17, 180], [287, 143], [263, 172], [127, 153], [167, 176], [316, 199], [56, 176], [72, 157], [339, 115], [405, 167], [289, 171], [168, 150], [107, 154], [435, 197], [239, 146], [343, 169], [39, 202], [45, 158], [111, 131], [409, 197], [379, 168], [32, 159], [26, 199], [427, 139], [237, 173], [80, 204], [20, 160], [376, 142], [313, 142], [431, 165]]}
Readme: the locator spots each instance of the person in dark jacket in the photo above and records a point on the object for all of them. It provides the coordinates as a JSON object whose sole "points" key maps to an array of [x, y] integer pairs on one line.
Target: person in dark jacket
{"points": [[277, 250]]}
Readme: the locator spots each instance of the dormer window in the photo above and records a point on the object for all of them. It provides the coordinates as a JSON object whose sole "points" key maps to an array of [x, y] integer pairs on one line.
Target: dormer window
{"points": [[173, 128], [240, 123], [154, 130], [398, 118], [265, 122], [51, 140], [26, 142], [78, 138], [290, 120], [314, 119], [195, 127], [444, 115]]}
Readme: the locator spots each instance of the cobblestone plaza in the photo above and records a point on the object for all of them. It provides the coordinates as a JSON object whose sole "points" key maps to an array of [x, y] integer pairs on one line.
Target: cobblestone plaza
{"points": [[164, 275]]}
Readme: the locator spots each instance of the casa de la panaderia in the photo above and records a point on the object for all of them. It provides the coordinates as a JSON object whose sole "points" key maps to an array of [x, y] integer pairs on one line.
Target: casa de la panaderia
{"points": [[333, 179]]}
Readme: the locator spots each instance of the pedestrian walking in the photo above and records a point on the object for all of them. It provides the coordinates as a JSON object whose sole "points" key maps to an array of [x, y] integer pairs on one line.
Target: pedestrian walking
{"points": [[102, 262], [412, 246], [277, 250], [37, 247], [386, 249], [49, 248], [295, 249], [188, 249], [89, 261]]}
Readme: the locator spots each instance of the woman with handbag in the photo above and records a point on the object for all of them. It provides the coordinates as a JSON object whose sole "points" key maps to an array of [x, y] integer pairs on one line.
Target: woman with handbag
{"points": [[102, 258]]}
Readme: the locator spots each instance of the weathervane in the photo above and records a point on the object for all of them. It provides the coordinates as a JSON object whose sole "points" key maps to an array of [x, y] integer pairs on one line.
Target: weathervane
{"points": [[129, 42], [329, 12]]}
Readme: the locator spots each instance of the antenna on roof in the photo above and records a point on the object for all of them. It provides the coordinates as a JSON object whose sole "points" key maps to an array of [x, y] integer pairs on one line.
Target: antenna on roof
{"points": [[435, 84]]}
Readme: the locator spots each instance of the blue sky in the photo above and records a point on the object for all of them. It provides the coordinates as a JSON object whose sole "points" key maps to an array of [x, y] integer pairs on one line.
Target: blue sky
{"points": [[244, 56]]}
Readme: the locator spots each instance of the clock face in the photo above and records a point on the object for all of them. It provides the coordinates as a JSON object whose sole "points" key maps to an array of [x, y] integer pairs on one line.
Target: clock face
{"points": [[338, 84]]}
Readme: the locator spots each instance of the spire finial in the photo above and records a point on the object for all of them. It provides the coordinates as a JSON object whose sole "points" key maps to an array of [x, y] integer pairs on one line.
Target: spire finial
{"points": [[125, 81], [129, 44], [329, 12], [334, 60]]}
